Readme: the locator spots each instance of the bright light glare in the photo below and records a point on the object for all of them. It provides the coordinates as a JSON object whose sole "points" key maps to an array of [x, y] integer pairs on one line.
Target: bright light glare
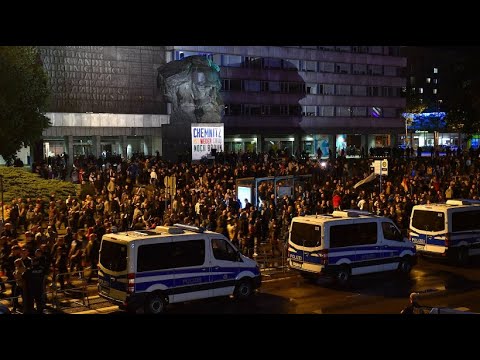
{"points": [[323, 164]]}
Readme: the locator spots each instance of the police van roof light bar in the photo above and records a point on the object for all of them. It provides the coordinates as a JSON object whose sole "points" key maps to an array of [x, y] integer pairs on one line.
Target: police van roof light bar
{"points": [[197, 229]]}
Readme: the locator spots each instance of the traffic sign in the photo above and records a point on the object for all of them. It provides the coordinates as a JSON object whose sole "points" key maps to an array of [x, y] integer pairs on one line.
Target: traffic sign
{"points": [[380, 165]]}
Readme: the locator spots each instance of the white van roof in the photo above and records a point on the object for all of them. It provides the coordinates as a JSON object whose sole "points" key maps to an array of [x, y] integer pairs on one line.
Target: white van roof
{"points": [[160, 231], [453, 203], [335, 216]]}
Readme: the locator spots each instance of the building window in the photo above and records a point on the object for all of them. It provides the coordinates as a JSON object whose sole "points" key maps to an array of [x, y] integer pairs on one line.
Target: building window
{"points": [[296, 88], [420, 90], [435, 81], [360, 49], [344, 111], [274, 86], [294, 110], [375, 69], [376, 50], [342, 90], [326, 111], [327, 48], [309, 66], [389, 112], [412, 80], [435, 70], [232, 85], [276, 110], [428, 80], [327, 67], [359, 111], [326, 89], [390, 70], [253, 109], [360, 69], [232, 60], [434, 91], [373, 91], [343, 48], [389, 91], [359, 90], [393, 51], [233, 109], [309, 110], [342, 68], [252, 85], [311, 88]]}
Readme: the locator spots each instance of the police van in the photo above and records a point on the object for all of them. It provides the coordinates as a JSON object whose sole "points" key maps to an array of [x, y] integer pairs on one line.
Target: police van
{"points": [[450, 229], [171, 264], [347, 243]]}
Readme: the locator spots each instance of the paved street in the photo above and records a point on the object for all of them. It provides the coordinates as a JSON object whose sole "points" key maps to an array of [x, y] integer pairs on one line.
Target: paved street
{"points": [[441, 285]]}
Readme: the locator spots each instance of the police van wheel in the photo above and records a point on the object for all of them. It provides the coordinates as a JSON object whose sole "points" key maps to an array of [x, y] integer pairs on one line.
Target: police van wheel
{"points": [[405, 265], [155, 304], [343, 275], [243, 290]]}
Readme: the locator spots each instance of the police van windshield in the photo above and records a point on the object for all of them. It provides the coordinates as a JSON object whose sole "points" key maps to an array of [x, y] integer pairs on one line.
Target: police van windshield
{"points": [[428, 220], [113, 256], [308, 235]]}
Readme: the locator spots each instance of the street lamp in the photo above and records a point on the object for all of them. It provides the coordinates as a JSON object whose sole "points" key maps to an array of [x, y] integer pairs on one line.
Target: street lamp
{"points": [[408, 121]]}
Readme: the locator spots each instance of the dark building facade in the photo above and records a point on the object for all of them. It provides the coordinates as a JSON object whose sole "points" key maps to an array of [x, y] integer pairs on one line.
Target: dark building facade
{"points": [[299, 98], [440, 77], [104, 99], [308, 97]]}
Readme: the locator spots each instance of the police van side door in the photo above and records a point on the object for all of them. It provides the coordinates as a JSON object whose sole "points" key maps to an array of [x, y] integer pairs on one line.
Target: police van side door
{"points": [[224, 266], [368, 254], [392, 245], [192, 270]]}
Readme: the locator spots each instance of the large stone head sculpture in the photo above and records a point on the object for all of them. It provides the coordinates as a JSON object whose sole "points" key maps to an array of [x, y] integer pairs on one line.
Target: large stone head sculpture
{"points": [[192, 85]]}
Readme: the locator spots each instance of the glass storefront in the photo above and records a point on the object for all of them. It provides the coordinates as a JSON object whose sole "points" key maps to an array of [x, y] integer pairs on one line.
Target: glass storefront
{"points": [[426, 139], [240, 145]]}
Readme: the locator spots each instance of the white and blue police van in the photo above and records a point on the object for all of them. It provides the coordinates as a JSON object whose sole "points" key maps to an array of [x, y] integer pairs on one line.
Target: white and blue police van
{"points": [[450, 230], [150, 269], [347, 243]]}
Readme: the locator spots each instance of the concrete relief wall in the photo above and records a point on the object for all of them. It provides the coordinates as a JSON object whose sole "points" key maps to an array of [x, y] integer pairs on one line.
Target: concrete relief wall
{"points": [[104, 79]]}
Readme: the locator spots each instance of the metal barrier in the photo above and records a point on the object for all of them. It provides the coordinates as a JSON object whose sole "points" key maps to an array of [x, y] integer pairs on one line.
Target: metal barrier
{"points": [[267, 258], [76, 287]]}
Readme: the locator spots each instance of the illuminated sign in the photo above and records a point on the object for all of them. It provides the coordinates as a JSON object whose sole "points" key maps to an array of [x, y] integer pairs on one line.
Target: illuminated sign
{"points": [[206, 137]]}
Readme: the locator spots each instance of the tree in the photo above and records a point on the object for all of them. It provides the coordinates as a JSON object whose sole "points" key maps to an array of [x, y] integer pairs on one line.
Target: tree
{"points": [[463, 102], [24, 98], [464, 116], [414, 104]]}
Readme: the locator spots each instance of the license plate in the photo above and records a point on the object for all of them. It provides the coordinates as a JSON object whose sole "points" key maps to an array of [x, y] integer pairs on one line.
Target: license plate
{"points": [[296, 264], [419, 241]]}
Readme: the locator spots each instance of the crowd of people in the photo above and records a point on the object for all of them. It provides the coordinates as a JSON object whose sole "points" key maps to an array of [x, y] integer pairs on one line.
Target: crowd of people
{"points": [[120, 194]]}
